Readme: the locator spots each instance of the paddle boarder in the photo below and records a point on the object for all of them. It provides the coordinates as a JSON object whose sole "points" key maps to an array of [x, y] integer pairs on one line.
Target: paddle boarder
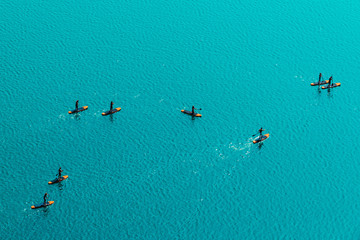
{"points": [[46, 198], [60, 172], [193, 110], [330, 79], [260, 131], [111, 106], [77, 105], [320, 75]]}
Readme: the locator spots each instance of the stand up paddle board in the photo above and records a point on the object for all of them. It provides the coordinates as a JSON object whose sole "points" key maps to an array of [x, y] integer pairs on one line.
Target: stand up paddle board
{"points": [[331, 86], [56, 180], [42, 205], [78, 110], [321, 83], [111, 111], [264, 137], [190, 113]]}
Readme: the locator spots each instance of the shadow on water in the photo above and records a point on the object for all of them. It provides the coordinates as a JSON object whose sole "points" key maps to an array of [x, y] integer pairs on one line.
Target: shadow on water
{"points": [[194, 119], [60, 186], [319, 89], [260, 145], [46, 210], [77, 116], [329, 93], [111, 117]]}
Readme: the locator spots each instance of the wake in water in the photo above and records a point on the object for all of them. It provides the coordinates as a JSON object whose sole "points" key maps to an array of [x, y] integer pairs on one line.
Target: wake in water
{"points": [[61, 116], [244, 148]]}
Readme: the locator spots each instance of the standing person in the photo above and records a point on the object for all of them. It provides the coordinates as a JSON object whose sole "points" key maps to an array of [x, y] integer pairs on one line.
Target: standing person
{"points": [[60, 172], [45, 198], [193, 110], [330, 79], [260, 131], [111, 106], [77, 105], [320, 75]]}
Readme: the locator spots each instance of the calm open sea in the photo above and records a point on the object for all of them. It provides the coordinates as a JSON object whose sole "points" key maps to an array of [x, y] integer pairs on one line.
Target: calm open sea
{"points": [[151, 172]]}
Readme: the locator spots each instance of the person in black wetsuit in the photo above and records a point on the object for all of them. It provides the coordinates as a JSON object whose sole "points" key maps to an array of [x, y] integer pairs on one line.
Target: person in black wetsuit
{"points": [[111, 106], [260, 131], [193, 110], [60, 170], [77, 105], [320, 75], [45, 198], [330, 80]]}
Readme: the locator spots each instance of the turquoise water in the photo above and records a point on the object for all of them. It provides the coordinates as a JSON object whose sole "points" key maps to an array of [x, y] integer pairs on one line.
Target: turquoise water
{"points": [[151, 172]]}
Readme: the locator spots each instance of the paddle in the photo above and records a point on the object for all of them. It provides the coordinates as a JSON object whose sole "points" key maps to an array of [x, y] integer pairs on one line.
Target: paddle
{"points": [[194, 114], [257, 133], [196, 109]]}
